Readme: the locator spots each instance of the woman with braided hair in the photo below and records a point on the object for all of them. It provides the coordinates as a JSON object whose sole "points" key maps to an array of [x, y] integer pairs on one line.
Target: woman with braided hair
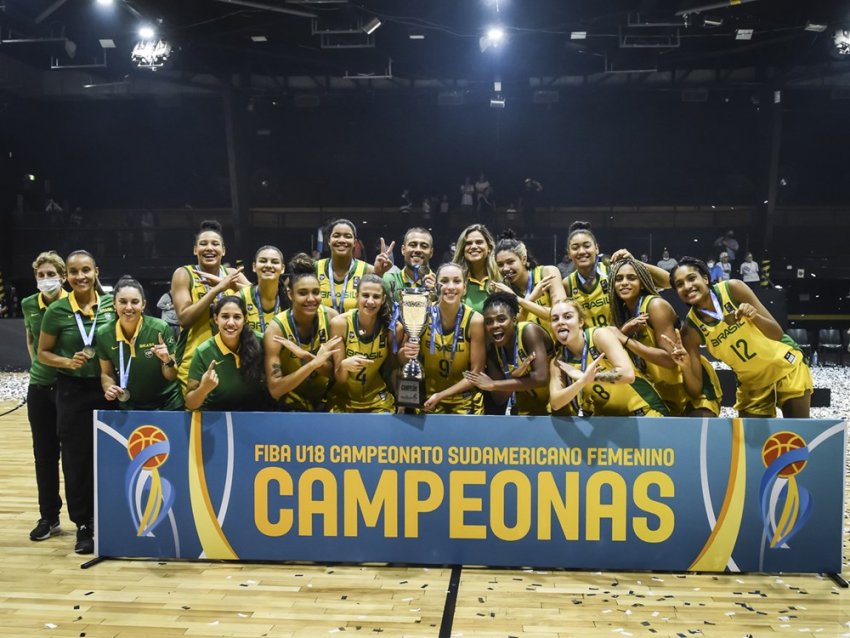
{"points": [[588, 283], [641, 317], [737, 329], [365, 336]]}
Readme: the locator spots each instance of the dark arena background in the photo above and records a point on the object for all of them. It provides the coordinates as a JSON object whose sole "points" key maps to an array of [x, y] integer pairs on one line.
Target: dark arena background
{"points": [[672, 126]]}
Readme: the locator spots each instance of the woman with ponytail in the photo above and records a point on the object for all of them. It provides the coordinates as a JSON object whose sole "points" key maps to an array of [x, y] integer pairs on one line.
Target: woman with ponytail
{"points": [[366, 340], [67, 343], [298, 345], [136, 353], [226, 373], [195, 288], [267, 297]]}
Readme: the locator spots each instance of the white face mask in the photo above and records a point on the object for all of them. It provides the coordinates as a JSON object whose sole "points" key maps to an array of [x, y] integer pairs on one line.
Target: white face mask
{"points": [[49, 287]]}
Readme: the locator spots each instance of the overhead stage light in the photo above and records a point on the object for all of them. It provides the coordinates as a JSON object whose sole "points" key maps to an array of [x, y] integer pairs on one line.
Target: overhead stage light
{"points": [[496, 35], [841, 39], [817, 27], [370, 27], [105, 3], [497, 102], [148, 54], [147, 32], [578, 35]]}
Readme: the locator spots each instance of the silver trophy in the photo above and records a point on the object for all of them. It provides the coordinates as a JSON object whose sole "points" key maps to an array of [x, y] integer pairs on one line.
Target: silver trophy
{"points": [[413, 308]]}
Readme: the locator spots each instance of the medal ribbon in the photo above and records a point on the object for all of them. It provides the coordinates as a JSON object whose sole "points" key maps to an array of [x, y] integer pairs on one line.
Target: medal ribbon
{"points": [[124, 373], [340, 308], [258, 303], [717, 313], [437, 326], [88, 339]]}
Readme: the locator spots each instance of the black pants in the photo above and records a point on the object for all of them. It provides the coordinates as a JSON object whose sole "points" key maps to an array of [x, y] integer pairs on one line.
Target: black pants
{"points": [[41, 411], [75, 400]]}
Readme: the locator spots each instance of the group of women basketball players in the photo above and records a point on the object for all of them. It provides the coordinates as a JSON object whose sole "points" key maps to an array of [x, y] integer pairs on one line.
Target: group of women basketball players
{"points": [[502, 334]]}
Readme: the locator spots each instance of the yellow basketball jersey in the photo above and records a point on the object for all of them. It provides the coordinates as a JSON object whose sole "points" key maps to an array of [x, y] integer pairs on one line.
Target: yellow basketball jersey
{"points": [[312, 392], [366, 390], [251, 297], [668, 381], [445, 367], [529, 402], [595, 302], [340, 293], [193, 336], [534, 277], [756, 360], [599, 398]]}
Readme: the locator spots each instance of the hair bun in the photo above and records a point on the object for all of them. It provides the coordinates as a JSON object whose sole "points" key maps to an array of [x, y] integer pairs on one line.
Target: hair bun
{"points": [[301, 264], [579, 225], [211, 224], [508, 233]]}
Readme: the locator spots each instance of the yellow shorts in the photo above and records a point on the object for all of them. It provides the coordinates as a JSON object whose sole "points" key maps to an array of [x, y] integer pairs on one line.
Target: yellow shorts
{"points": [[466, 403], [384, 403], [764, 401]]}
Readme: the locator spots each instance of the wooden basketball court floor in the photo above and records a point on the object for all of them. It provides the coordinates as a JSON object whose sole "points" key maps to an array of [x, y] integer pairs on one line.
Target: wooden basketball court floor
{"points": [[44, 592]]}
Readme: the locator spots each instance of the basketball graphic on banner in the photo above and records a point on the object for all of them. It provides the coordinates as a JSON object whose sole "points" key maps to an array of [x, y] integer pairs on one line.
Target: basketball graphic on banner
{"points": [[777, 445], [141, 438]]}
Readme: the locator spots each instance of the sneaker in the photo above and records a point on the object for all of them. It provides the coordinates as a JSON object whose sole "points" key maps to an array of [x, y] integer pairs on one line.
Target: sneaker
{"points": [[85, 540], [44, 529]]}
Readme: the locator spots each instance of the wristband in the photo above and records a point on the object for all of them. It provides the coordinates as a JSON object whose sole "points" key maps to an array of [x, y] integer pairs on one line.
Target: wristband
{"points": [[626, 342], [170, 363]]}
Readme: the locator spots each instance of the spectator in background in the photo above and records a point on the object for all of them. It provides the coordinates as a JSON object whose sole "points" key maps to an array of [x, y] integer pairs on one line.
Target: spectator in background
{"points": [[725, 266], [667, 262], [444, 206], [531, 190], [467, 190], [483, 195], [749, 270], [448, 254], [168, 314], [715, 272], [566, 266], [728, 244], [148, 223], [406, 205], [54, 212], [644, 258]]}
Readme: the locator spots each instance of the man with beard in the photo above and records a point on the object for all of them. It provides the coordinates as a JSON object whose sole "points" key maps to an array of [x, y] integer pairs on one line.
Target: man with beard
{"points": [[417, 248]]}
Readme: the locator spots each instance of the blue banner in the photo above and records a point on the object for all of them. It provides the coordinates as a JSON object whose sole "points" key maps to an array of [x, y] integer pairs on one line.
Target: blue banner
{"points": [[627, 493]]}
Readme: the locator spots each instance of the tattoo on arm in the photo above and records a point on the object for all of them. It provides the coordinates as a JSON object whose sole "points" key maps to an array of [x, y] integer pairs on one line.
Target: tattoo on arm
{"points": [[277, 373], [610, 376]]}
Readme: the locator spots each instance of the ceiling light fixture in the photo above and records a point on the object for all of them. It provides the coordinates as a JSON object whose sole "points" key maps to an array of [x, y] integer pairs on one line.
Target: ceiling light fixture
{"points": [[259, 38], [148, 54], [373, 25], [578, 35], [497, 102], [817, 27], [841, 39], [147, 32]]}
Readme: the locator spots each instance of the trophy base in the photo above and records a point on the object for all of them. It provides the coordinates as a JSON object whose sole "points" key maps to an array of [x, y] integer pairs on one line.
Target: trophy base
{"points": [[410, 393]]}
